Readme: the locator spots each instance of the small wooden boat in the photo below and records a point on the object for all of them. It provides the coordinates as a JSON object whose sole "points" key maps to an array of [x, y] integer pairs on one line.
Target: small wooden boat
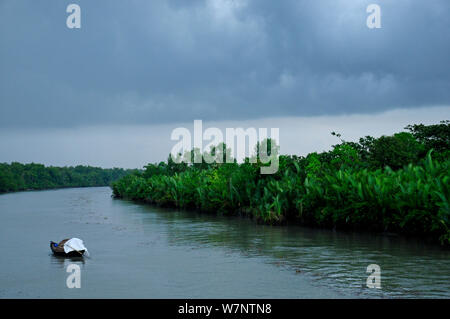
{"points": [[58, 250]]}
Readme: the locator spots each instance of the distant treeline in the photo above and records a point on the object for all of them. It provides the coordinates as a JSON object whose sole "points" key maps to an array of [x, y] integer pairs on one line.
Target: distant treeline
{"points": [[19, 177], [398, 183]]}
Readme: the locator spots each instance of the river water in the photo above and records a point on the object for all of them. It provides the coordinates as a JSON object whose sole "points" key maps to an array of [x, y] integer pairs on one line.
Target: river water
{"points": [[139, 251]]}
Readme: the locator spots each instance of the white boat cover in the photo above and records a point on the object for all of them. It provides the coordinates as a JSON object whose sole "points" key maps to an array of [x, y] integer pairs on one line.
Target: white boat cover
{"points": [[74, 244]]}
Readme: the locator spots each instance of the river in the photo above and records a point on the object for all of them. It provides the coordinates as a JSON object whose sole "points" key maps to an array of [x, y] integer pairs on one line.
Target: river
{"points": [[139, 251]]}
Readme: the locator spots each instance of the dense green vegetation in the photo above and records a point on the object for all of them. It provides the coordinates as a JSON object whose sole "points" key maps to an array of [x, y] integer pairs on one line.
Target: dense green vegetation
{"points": [[397, 183], [18, 177]]}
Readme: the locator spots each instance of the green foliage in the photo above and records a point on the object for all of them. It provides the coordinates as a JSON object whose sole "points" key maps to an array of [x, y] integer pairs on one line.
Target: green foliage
{"points": [[435, 136], [395, 151], [19, 177], [378, 184]]}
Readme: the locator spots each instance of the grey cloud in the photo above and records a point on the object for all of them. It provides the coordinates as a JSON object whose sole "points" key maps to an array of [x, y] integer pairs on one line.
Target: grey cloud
{"points": [[144, 62]]}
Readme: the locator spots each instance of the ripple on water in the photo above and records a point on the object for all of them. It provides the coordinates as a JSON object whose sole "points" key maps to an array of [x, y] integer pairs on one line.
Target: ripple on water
{"points": [[167, 253]]}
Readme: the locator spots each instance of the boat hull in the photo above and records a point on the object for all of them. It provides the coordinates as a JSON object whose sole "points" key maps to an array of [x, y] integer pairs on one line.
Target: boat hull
{"points": [[59, 250]]}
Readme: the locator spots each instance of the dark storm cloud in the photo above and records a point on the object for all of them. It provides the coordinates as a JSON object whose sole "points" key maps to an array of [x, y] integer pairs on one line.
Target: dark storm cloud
{"points": [[168, 61]]}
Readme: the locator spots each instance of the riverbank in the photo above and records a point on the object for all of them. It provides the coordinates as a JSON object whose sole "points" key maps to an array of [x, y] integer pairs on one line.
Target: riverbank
{"points": [[376, 185], [16, 177], [413, 200]]}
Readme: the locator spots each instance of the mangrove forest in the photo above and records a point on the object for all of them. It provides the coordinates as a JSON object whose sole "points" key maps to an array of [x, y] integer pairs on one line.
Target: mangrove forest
{"points": [[20, 177], [396, 184]]}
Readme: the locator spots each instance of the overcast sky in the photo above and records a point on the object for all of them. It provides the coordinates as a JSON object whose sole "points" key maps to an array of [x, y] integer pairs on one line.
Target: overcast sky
{"points": [[143, 65]]}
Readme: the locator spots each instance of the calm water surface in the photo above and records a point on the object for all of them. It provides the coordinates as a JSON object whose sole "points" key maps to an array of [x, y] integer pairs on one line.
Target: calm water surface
{"points": [[139, 251]]}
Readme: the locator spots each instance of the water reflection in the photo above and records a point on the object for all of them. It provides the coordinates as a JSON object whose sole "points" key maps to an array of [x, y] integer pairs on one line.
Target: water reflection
{"points": [[63, 262], [410, 268]]}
